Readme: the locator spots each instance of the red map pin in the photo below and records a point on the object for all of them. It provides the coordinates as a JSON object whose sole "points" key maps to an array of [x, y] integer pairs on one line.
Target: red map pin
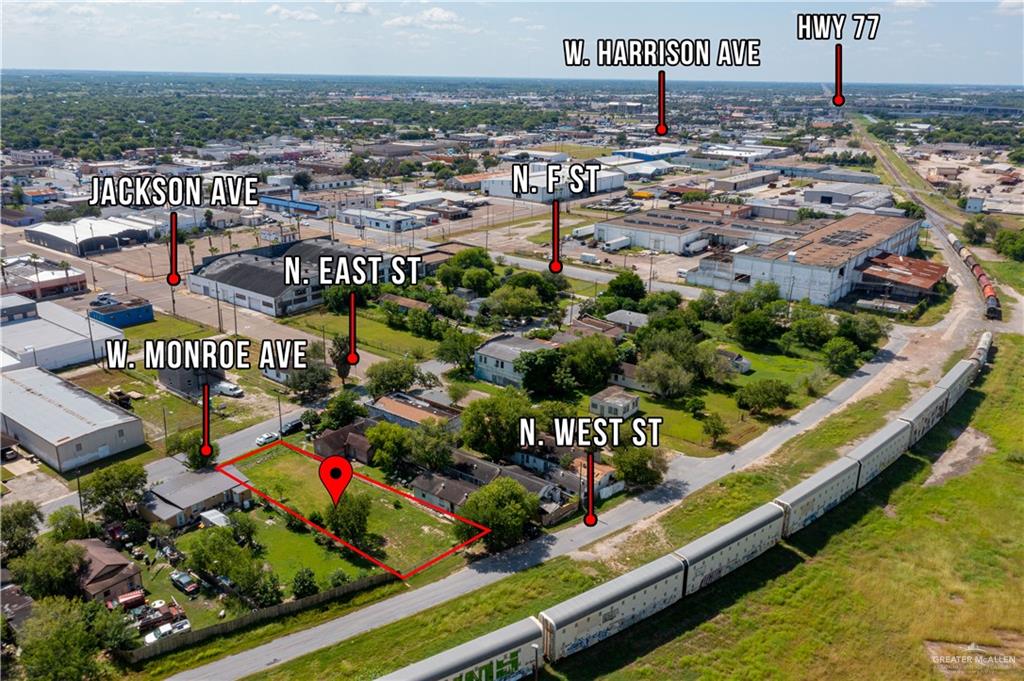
{"points": [[335, 473]]}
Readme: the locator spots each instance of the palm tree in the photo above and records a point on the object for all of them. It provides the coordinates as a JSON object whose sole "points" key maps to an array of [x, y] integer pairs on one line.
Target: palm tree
{"points": [[64, 265], [214, 250], [34, 259], [255, 231], [191, 251], [3, 268]]}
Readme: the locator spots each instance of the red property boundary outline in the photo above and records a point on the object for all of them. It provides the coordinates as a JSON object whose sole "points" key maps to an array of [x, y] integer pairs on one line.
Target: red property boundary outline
{"points": [[484, 531]]}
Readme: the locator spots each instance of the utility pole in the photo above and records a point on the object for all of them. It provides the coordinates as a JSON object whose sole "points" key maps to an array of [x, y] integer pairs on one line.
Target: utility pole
{"points": [[174, 310], [280, 418], [164, 409], [92, 344], [125, 282], [78, 483], [220, 319]]}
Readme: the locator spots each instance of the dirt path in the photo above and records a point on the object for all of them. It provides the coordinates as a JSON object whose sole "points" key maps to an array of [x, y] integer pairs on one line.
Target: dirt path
{"points": [[966, 453]]}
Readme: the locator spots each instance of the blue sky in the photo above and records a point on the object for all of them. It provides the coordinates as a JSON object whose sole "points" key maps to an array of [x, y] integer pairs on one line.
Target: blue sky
{"points": [[919, 41]]}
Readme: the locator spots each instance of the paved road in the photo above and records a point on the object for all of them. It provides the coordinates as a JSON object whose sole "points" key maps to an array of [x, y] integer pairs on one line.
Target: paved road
{"points": [[686, 475], [230, 445]]}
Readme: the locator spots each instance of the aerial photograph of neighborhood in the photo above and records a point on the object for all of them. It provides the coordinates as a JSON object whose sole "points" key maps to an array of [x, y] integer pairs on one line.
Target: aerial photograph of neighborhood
{"points": [[451, 341]]}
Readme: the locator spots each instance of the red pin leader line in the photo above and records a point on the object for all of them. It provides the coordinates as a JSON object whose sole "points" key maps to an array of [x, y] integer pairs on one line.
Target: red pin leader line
{"points": [[206, 449], [353, 356], [174, 278], [662, 128], [591, 518], [838, 99], [556, 264], [335, 474]]}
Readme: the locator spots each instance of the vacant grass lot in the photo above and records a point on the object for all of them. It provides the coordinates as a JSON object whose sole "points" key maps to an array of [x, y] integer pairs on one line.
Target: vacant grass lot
{"points": [[369, 655], [409, 532], [860, 593], [165, 326], [374, 335], [578, 151]]}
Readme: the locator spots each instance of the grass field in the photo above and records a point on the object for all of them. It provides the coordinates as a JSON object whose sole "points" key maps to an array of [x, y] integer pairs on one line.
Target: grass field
{"points": [[578, 151], [526, 593], [860, 594], [409, 534], [375, 335], [165, 326]]}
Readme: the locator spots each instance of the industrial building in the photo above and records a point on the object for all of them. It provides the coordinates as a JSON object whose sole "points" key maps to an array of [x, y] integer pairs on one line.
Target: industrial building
{"points": [[64, 425], [252, 279], [848, 194], [124, 312], [656, 152], [814, 171], [94, 235], [607, 181], [39, 278], [48, 335], [736, 183], [663, 230], [385, 219], [820, 265]]}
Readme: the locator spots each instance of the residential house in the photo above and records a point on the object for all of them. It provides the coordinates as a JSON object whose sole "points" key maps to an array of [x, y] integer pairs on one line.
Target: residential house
{"points": [[625, 375], [585, 325], [177, 495], [439, 490], [627, 319], [410, 412], [107, 573], [494, 360], [405, 304], [613, 401], [605, 482], [472, 469], [348, 441]]}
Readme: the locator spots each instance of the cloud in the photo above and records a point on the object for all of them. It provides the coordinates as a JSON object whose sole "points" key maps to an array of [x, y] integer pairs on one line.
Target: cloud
{"points": [[518, 20], [911, 4], [903, 22], [535, 27], [354, 8], [1010, 7], [283, 13], [214, 15], [84, 10], [434, 18]]}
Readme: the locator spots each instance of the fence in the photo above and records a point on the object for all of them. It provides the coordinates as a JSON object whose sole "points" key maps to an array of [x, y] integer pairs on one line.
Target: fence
{"points": [[170, 643]]}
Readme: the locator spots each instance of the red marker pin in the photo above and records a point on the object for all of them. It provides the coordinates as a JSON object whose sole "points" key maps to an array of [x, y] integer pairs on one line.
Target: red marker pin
{"points": [[335, 473]]}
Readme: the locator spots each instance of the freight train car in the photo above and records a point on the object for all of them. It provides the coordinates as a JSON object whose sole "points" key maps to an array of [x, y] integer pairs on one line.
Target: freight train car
{"points": [[878, 451], [813, 497], [605, 610], [925, 412], [507, 654], [721, 551], [958, 379]]}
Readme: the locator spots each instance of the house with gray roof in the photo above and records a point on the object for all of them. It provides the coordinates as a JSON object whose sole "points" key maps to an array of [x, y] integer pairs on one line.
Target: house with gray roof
{"points": [[177, 494], [494, 360], [627, 319]]}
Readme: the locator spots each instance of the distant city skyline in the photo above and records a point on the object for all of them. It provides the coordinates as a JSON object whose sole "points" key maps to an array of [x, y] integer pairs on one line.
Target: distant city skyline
{"points": [[918, 42]]}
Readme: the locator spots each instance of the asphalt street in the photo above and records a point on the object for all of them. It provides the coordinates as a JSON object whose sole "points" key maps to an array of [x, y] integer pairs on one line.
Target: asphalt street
{"points": [[685, 476]]}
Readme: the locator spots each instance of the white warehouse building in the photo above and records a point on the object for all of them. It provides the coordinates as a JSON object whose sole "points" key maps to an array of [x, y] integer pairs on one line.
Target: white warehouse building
{"points": [[820, 265]]}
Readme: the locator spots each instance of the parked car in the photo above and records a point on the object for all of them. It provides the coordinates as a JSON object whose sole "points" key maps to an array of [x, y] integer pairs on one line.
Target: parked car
{"points": [[266, 439], [183, 582], [157, 634], [181, 627], [289, 427], [224, 583], [102, 299], [228, 389]]}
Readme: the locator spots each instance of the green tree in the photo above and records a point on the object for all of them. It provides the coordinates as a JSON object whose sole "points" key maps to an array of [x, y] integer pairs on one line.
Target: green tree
{"points": [[268, 590], [302, 179], [491, 425], [458, 348], [19, 525], [396, 375], [349, 518], [338, 578], [640, 466], [115, 490], [841, 356], [342, 409], [304, 583], [544, 373], [49, 570], [243, 528], [392, 447], [590, 360], [627, 285], [753, 329], [713, 427], [479, 280], [505, 507], [190, 444], [17, 195], [760, 396], [67, 523], [511, 302], [339, 356], [432, 445], [311, 382], [813, 331], [863, 330], [58, 643], [663, 373]]}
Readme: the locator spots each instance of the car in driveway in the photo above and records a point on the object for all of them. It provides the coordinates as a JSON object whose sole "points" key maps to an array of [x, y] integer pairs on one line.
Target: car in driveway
{"points": [[266, 439], [289, 427], [157, 634], [228, 389], [183, 582]]}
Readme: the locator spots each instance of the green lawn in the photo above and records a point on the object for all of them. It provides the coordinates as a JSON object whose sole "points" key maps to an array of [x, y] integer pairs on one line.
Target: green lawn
{"points": [[5, 474], [372, 334], [165, 326], [582, 152], [410, 534], [860, 594], [369, 655]]}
